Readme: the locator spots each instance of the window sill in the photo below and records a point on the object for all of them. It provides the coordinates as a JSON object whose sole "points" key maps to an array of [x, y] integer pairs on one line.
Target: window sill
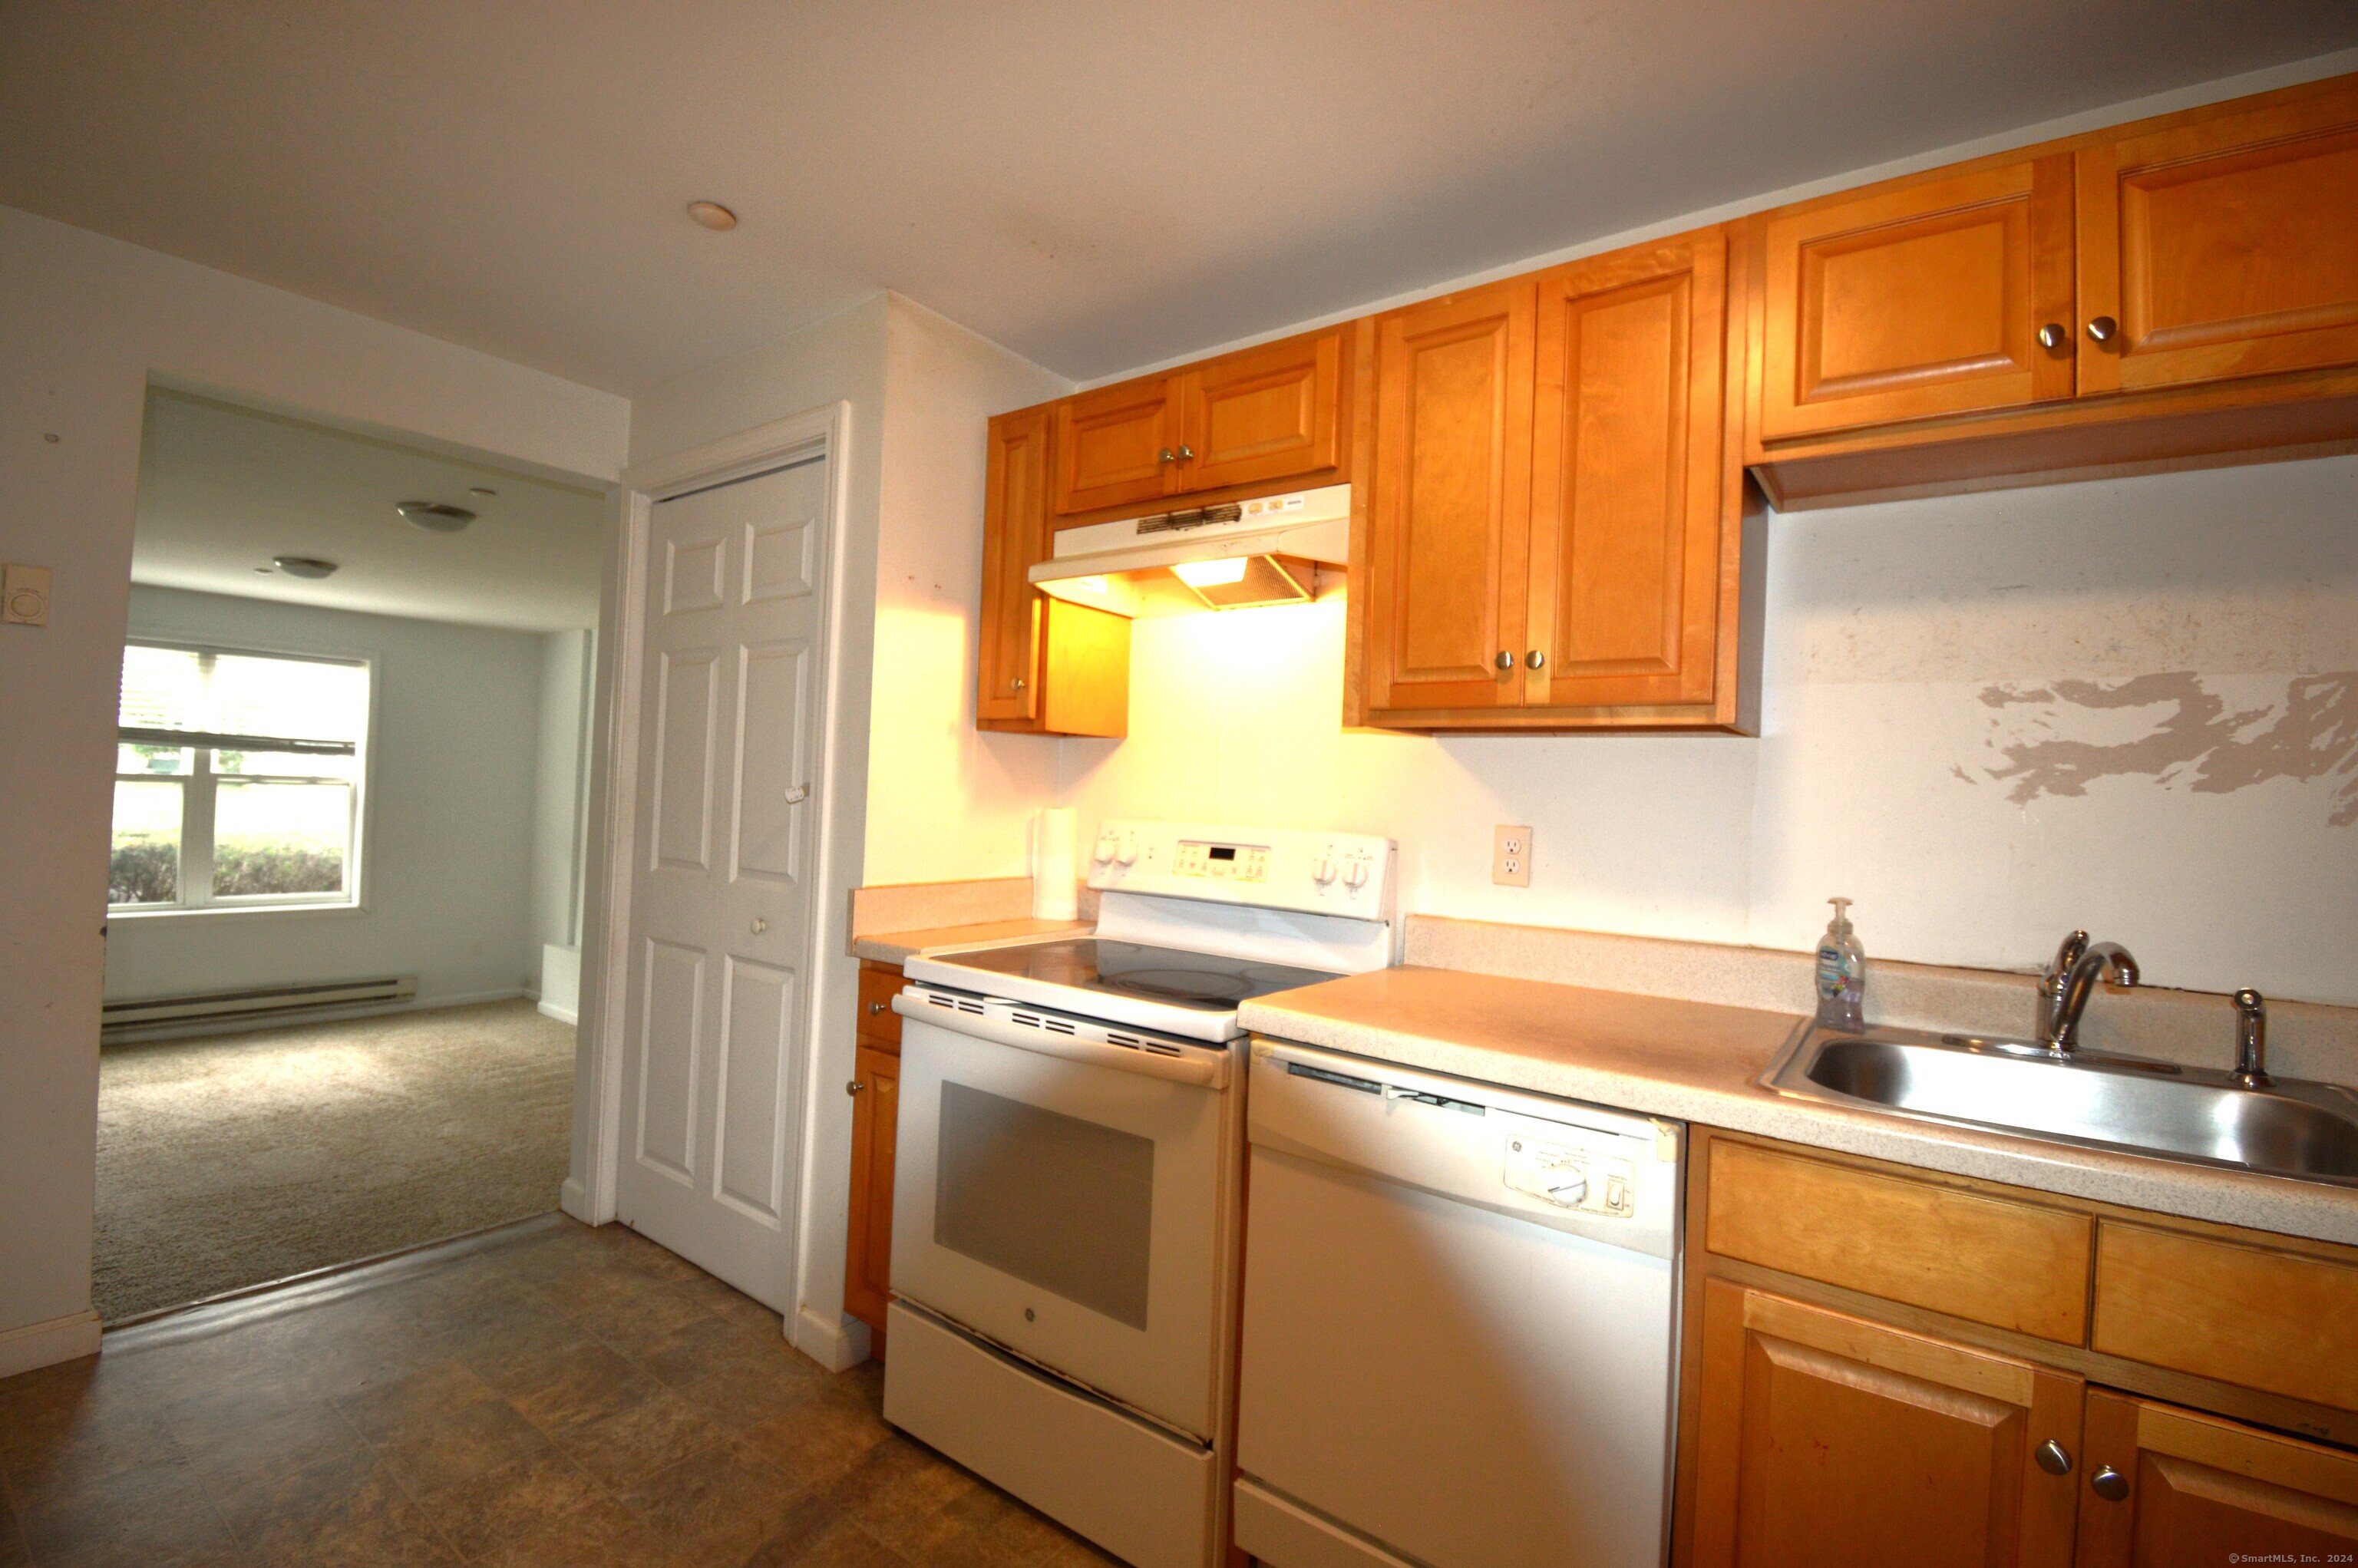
{"points": [[211, 911]]}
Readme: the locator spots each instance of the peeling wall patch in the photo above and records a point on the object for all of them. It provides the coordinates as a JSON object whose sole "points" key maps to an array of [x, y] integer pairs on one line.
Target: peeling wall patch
{"points": [[2194, 739]]}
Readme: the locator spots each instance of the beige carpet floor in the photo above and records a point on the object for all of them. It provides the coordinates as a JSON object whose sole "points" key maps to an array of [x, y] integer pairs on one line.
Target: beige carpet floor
{"points": [[229, 1162]]}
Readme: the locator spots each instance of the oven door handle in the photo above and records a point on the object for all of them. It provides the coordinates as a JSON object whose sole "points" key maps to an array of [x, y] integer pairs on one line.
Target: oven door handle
{"points": [[1205, 1069]]}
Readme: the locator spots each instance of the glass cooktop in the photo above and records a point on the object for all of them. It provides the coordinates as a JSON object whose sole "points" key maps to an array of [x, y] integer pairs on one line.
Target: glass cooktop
{"points": [[1172, 976]]}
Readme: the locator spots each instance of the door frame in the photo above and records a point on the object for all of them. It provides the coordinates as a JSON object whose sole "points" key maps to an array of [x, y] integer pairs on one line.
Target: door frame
{"points": [[590, 1195]]}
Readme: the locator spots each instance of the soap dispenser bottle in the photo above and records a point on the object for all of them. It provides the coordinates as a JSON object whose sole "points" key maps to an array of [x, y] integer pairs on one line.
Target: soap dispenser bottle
{"points": [[1841, 973]]}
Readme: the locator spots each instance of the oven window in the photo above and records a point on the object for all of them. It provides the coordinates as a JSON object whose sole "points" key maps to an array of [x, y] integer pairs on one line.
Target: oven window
{"points": [[1052, 1200]]}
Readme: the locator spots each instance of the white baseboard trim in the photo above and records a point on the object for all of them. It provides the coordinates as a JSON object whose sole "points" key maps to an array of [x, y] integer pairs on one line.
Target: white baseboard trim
{"points": [[564, 1015], [837, 1346], [46, 1344], [574, 1199]]}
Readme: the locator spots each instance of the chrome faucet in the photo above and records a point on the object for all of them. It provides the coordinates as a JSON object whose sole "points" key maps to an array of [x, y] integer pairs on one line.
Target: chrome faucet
{"points": [[2063, 991], [2251, 1039]]}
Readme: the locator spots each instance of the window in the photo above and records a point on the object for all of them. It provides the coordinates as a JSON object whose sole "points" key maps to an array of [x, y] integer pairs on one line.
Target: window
{"points": [[237, 780]]}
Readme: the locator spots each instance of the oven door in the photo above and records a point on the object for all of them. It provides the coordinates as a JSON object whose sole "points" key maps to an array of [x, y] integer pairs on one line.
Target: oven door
{"points": [[1074, 1211]]}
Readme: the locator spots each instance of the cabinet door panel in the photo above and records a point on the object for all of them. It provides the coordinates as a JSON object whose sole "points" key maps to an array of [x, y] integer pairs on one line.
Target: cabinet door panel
{"points": [[1450, 515], [1269, 412], [2226, 247], [1110, 445], [875, 1123], [1014, 529], [1626, 442], [1826, 1439], [1918, 302], [2202, 1490]]}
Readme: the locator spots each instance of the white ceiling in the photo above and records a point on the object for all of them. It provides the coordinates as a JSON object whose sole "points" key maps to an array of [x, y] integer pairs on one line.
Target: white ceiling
{"points": [[1098, 184], [224, 489]]}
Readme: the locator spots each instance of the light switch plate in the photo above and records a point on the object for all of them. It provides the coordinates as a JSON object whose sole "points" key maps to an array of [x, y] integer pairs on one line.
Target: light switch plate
{"points": [[1510, 856], [24, 595]]}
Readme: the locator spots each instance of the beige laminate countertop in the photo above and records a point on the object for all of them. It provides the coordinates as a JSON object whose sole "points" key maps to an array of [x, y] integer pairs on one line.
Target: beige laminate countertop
{"points": [[900, 946], [1698, 1062]]}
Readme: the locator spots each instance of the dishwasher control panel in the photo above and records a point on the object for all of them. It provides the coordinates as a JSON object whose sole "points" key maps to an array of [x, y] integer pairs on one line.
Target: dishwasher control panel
{"points": [[1570, 1176]]}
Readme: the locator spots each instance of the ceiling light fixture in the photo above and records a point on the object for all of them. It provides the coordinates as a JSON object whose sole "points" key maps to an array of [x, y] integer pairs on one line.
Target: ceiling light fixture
{"points": [[481, 490], [712, 215], [435, 516], [310, 567]]}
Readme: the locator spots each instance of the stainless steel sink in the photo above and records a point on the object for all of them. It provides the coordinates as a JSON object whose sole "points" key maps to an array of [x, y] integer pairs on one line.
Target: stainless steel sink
{"points": [[2291, 1128]]}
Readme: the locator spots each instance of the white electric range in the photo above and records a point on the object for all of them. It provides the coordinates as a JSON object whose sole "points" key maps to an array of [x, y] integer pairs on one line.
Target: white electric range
{"points": [[1068, 1174]]}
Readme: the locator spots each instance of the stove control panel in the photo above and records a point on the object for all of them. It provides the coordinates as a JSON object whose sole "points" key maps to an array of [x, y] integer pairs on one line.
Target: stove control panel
{"points": [[1326, 873]]}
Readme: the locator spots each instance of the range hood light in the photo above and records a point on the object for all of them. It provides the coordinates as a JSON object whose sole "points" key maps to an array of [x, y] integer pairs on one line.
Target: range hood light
{"points": [[1211, 573]]}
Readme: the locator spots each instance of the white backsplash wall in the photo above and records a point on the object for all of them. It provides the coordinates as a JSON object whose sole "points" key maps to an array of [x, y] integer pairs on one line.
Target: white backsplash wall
{"points": [[2130, 705]]}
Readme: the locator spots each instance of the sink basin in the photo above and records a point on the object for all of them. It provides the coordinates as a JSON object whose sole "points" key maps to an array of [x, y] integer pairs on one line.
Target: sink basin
{"points": [[2289, 1128]]}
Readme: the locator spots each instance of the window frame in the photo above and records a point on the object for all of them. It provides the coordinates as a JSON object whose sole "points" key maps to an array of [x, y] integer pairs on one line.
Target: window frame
{"points": [[200, 793]]}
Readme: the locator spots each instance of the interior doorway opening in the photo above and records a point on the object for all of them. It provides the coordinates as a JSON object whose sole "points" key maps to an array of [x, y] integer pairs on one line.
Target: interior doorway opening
{"points": [[351, 849]]}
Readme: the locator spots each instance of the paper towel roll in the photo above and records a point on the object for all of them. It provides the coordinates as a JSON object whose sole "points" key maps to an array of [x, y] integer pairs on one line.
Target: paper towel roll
{"points": [[1055, 894]]}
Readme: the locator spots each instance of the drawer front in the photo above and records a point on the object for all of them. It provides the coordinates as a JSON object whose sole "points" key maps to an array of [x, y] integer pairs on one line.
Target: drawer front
{"points": [[2009, 1265], [2264, 1320], [878, 1026]]}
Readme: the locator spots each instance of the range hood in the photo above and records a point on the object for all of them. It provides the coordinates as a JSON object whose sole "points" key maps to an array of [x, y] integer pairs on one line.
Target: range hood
{"points": [[1228, 556]]}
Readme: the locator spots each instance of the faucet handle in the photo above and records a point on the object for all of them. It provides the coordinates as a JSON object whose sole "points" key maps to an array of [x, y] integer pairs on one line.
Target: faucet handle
{"points": [[2067, 954], [2251, 1039]]}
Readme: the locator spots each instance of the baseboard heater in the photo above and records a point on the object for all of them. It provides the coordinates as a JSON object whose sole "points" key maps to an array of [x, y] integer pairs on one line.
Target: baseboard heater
{"points": [[212, 1009]]}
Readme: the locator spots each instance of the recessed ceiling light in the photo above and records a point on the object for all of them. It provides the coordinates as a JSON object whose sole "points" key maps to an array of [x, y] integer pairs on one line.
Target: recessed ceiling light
{"points": [[435, 516], [305, 566], [481, 490], [712, 215]]}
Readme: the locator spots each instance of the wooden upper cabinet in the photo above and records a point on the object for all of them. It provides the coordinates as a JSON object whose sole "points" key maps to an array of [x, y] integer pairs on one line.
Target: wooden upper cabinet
{"points": [[1920, 301], [1271, 413], [1266, 413], [1118, 444], [1450, 512], [2170, 1488], [1826, 1438], [1015, 477], [2227, 246], [1626, 450]]}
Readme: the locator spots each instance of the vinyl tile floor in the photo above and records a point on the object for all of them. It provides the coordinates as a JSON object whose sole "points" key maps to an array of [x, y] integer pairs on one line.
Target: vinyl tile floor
{"points": [[544, 1394]]}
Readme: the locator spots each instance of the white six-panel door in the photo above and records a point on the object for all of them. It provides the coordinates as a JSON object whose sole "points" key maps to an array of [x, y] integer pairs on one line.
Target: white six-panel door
{"points": [[721, 906]]}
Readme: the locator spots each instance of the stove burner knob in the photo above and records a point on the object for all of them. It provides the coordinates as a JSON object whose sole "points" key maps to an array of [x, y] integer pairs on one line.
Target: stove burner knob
{"points": [[1108, 845], [1355, 875], [1129, 849], [1322, 871]]}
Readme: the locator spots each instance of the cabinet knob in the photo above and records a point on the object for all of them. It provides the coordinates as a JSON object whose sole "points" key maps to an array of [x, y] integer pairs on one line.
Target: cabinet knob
{"points": [[1016, 684], [2054, 335], [1506, 661], [1167, 455], [876, 1007], [2109, 1484], [1536, 659], [1186, 454], [854, 1086], [2052, 1458], [2103, 328]]}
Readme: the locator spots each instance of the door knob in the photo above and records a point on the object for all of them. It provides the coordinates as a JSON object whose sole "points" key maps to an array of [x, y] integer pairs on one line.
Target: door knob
{"points": [[2103, 328], [1506, 661], [1535, 658], [797, 793], [2054, 335], [2109, 1484], [2052, 1458]]}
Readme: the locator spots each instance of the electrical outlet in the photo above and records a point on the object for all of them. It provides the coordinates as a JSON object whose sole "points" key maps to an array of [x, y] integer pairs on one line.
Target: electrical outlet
{"points": [[1510, 856]]}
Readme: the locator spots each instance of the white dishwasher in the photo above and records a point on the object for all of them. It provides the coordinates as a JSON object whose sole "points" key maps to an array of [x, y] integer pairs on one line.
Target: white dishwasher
{"points": [[1460, 1323]]}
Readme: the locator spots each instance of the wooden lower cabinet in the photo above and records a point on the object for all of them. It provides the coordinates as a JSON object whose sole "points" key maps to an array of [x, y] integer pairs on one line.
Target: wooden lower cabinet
{"points": [[1828, 1441], [2171, 1488], [875, 1120]]}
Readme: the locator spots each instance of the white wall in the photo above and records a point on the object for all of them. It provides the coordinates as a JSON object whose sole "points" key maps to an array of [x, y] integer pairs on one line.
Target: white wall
{"points": [[1923, 751], [449, 851], [560, 794], [84, 321], [946, 801]]}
